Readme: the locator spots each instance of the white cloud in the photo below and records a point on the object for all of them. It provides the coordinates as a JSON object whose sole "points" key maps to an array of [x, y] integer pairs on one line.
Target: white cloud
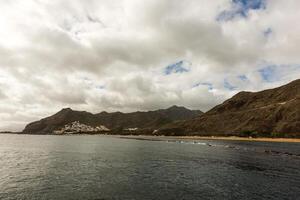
{"points": [[111, 55]]}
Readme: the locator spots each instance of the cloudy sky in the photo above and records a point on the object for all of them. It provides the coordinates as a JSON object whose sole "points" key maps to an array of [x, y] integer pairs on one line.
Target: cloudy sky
{"points": [[132, 55]]}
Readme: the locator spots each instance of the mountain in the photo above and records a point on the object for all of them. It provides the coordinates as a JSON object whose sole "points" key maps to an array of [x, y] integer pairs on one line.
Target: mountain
{"points": [[273, 112], [116, 121]]}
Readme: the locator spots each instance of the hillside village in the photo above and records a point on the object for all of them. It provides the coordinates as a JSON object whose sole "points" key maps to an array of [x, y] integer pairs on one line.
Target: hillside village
{"points": [[76, 127]]}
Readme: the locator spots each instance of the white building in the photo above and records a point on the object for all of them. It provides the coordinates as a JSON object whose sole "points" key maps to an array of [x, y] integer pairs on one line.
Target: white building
{"points": [[76, 127]]}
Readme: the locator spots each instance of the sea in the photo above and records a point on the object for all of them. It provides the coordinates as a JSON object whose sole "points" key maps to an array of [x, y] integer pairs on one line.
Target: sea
{"points": [[101, 167]]}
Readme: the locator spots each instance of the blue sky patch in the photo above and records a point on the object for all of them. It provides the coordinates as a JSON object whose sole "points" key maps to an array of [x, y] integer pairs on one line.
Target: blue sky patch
{"points": [[179, 67], [243, 77], [250, 4], [209, 85], [273, 72], [228, 86], [268, 73], [240, 8]]}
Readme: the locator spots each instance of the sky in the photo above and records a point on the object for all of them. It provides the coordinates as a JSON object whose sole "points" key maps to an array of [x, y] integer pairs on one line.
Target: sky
{"points": [[129, 55]]}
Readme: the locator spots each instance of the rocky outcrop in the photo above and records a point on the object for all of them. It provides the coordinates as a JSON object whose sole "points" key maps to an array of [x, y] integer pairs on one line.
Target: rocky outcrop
{"points": [[117, 122], [274, 112]]}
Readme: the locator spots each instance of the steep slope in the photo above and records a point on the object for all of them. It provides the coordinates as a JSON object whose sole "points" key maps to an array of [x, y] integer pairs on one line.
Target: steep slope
{"points": [[117, 120], [273, 112], [58, 120]]}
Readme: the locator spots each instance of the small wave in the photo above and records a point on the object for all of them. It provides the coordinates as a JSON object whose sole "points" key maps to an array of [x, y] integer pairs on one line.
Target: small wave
{"points": [[189, 142], [281, 153], [267, 151]]}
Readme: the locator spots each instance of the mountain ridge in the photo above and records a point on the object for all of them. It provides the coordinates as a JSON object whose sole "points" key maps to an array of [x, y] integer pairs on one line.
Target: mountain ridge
{"points": [[115, 120], [271, 112], [268, 113]]}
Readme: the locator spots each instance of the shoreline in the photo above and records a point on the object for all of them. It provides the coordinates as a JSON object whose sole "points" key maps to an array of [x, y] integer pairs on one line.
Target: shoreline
{"points": [[229, 138], [161, 138], [234, 138]]}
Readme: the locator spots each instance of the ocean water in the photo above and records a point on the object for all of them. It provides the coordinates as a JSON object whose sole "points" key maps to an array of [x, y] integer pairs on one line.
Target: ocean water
{"points": [[106, 167]]}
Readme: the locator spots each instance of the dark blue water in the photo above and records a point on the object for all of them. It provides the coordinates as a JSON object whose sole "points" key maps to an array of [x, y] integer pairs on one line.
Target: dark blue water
{"points": [[102, 167]]}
